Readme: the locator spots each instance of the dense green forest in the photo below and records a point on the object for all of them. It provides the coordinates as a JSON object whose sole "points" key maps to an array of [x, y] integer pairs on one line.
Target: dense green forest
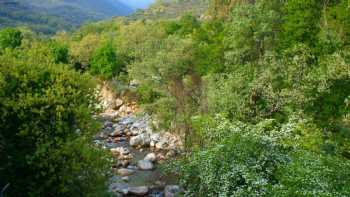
{"points": [[259, 92]]}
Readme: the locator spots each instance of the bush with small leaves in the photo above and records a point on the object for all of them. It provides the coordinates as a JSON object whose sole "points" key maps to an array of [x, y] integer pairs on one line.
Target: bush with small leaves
{"points": [[10, 38]]}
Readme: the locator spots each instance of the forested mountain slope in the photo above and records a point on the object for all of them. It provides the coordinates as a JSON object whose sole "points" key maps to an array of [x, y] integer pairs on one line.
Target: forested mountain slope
{"points": [[51, 16], [172, 9]]}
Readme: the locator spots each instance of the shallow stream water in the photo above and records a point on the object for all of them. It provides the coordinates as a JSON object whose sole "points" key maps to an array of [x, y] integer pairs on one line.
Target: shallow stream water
{"points": [[154, 180]]}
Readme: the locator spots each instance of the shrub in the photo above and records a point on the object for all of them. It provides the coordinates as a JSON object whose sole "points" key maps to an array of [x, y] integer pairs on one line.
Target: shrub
{"points": [[59, 52], [311, 174], [46, 129], [240, 166], [10, 38], [104, 61]]}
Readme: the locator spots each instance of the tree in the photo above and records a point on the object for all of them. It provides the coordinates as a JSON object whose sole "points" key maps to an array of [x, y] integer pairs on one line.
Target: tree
{"points": [[59, 52], [83, 50], [169, 69], [252, 31], [301, 20], [104, 61], [10, 38], [46, 128]]}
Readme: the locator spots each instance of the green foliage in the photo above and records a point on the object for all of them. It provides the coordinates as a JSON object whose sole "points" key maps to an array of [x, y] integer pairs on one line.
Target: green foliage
{"points": [[310, 174], [301, 20], [239, 166], [104, 61], [171, 9], [46, 127], [266, 159], [49, 17], [146, 94], [259, 92], [252, 31], [59, 52], [284, 82], [10, 38]]}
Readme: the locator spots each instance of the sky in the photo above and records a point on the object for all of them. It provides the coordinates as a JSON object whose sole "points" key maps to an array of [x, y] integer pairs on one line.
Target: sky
{"points": [[138, 4]]}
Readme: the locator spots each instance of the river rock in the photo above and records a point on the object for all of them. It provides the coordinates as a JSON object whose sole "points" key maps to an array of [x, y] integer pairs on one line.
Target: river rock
{"points": [[120, 151], [109, 116], [155, 137], [119, 139], [125, 157], [136, 131], [123, 191], [125, 178], [108, 130], [145, 165], [116, 133], [125, 172], [107, 124], [138, 191], [161, 145], [101, 136], [151, 157], [140, 124], [110, 145], [123, 163], [172, 191], [140, 140], [132, 167], [118, 103], [127, 120]]}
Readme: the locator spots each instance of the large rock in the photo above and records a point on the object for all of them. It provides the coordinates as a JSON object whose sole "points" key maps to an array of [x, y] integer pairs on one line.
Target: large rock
{"points": [[125, 172], [172, 191], [138, 191], [145, 165], [140, 140], [152, 157]]}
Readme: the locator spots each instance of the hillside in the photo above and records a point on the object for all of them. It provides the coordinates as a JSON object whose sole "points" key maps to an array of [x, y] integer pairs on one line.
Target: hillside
{"points": [[50, 16], [172, 9]]}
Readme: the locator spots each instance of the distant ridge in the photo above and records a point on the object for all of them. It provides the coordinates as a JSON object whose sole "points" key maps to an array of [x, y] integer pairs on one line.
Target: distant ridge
{"points": [[172, 9], [49, 16]]}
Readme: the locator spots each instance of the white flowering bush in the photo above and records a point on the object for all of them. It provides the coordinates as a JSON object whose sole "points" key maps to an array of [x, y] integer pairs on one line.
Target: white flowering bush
{"points": [[242, 165], [266, 159]]}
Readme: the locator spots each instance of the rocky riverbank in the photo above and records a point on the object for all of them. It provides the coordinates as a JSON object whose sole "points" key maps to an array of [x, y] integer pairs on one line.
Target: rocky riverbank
{"points": [[137, 151]]}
